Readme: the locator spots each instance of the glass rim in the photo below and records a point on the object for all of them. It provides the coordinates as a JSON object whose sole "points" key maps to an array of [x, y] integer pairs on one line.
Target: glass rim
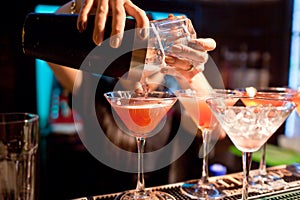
{"points": [[283, 104], [275, 90], [31, 117], [174, 19], [247, 97], [207, 93], [106, 94]]}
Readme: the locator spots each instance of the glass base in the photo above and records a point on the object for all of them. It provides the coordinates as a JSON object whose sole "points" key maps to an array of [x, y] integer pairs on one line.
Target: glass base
{"points": [[266, 183], [146, 195], [196, 190]]}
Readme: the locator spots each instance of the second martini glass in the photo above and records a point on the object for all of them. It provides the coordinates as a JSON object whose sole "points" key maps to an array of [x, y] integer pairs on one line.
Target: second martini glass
{"points": [[195, 105], [141, 116]]}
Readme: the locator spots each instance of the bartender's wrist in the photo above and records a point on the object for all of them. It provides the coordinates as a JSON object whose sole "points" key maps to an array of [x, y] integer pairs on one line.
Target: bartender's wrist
{"points": [[187, 78], [190, 73], [194, 80]]}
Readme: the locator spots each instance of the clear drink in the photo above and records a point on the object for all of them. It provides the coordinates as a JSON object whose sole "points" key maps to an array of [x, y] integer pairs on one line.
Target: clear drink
{"points": [[262, 181], [250, 124]]}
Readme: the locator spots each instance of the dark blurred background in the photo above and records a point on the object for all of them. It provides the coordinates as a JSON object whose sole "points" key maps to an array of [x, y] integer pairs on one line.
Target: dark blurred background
{"points": [[255, 27], [253, 38]]}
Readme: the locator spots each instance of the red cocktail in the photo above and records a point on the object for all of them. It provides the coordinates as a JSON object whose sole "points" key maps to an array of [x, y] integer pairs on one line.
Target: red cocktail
{"points": [[140, 116]]}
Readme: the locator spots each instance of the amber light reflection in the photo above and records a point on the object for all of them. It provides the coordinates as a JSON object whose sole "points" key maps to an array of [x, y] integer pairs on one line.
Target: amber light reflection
{"points": [[296, 100]]}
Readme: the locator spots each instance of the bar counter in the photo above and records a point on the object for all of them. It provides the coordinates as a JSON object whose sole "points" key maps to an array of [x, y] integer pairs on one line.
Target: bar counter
{"points": [[231, 185], [68, 171]]}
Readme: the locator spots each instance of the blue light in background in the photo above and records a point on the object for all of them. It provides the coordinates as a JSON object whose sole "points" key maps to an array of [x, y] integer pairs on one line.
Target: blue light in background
{"points": [[46, 8], [162, 15], [44, 78], [292, 128]]}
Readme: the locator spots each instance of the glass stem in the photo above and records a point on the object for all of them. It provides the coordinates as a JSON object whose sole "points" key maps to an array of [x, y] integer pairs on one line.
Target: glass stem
{"points": [[140, 186], [204, 177], [247, 159], [262, 164]]}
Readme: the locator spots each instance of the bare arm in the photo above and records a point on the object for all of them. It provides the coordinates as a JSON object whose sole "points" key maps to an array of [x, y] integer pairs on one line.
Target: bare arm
{"points": [[65, 75]]}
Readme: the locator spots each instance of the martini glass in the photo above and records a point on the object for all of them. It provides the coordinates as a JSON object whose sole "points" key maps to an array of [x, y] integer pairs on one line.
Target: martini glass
{"points": [[195, 105], [250, 126], [141, 116], [262, 181]]}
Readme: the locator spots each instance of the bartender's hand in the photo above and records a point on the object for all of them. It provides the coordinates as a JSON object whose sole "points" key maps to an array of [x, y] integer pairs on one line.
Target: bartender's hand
{"points": [[194, 55], [190, 58], [118, 9], [188, 63]]}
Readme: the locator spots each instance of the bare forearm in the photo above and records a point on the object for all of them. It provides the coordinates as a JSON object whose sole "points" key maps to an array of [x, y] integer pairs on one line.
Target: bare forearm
{"points": [[198, 83], [66, 76]]}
